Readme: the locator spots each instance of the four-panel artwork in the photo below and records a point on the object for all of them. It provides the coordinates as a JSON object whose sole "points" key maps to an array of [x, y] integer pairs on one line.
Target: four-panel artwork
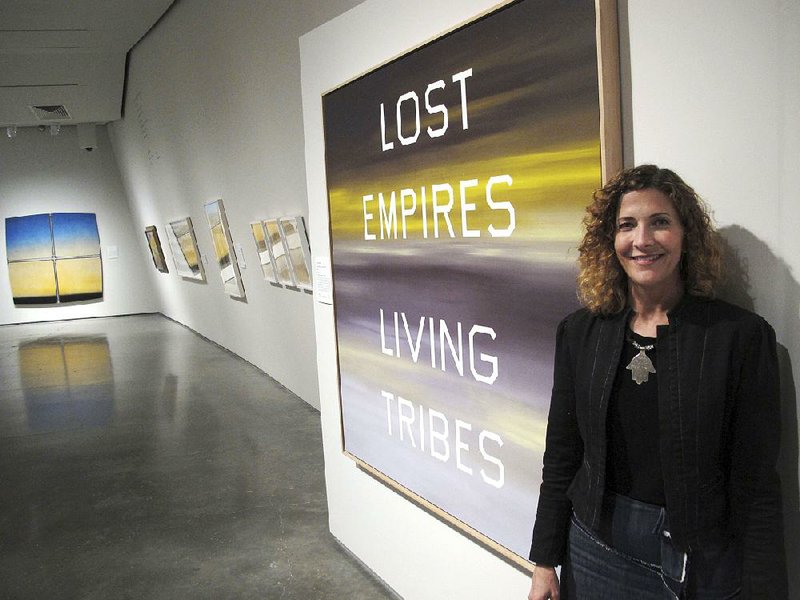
{"points": [[55, 258]]}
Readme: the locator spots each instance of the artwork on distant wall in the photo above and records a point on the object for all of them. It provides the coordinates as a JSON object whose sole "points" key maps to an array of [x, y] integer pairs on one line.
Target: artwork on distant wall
{"points": [[298, 251], [154, 243], [54, 258], [457, 179], [280, 253], [223, 248], [185, 253], [284, 251], [264, 252]]}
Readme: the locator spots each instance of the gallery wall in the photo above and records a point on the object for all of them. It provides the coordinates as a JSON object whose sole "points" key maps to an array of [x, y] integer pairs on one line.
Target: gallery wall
{"points": [[716, 103], [40, 173], [212, 110]]}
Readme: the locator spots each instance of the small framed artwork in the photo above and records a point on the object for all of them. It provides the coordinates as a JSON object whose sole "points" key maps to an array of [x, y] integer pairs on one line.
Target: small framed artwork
{"points": [[299, 252], [264, 252], [185, 253], [280, 253], [154, 243], [223, 248]]}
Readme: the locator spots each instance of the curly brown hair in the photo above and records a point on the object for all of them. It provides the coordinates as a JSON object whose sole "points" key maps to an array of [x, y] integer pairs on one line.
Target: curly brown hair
{"points": [[602, 283]]}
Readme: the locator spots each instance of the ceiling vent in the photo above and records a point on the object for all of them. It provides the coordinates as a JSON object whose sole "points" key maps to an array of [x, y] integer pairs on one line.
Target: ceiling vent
{"points": [[51, 113]]}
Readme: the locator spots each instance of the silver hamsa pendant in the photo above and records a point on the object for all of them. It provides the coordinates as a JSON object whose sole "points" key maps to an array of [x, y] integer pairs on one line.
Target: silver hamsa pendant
{"points": [[640, 367]]}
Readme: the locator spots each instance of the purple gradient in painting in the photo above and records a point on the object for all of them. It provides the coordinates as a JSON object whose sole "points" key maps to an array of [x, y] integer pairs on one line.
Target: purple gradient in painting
{"points": [[445, 328]]}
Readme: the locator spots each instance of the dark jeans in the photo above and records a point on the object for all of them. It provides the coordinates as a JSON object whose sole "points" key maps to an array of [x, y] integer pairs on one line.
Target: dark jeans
{"points": [[632, 556]]}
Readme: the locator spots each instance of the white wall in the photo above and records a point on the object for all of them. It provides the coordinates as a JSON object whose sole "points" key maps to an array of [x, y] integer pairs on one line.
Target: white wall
{"points": [[212, 110], [40, 173], [712, 93], [418, 556]]}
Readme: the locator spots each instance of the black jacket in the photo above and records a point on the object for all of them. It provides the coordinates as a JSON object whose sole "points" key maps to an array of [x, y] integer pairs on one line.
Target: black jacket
{"points": [[719, 421]]}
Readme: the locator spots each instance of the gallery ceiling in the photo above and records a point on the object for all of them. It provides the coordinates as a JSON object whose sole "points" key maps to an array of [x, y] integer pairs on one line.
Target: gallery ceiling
{"points": [[67, 57]]}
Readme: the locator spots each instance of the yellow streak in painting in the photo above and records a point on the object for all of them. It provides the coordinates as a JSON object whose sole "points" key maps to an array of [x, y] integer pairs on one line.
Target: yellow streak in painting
{"points": [[187, 247], [551, 186], [220, 243], [153, 246], [79, 276], [520, 426], [32, 279], [258, 235]]}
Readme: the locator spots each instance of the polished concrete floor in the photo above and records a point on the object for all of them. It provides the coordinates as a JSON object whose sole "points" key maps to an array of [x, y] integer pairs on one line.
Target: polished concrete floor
{"points": [[139, 461]]}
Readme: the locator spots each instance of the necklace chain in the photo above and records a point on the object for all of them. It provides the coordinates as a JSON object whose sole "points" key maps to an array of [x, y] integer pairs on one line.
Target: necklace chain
{"points": [[639, 346]]}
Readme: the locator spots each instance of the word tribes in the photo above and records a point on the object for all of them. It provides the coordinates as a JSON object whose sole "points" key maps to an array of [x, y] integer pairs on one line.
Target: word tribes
{"points": [[483, 367], [447, 440]]}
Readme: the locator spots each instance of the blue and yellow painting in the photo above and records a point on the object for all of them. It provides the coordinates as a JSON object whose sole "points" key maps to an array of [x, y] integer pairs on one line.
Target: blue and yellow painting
{"points": [[54, 258]]}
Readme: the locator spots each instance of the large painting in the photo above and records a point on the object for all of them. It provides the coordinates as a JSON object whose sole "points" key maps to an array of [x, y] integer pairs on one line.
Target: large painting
{"points": [[185, 253], [223, 248], [457, 180], [54, 258]]}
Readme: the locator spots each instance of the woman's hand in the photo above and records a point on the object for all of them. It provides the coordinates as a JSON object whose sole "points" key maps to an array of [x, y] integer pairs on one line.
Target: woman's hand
{"points": [[544, 584]]}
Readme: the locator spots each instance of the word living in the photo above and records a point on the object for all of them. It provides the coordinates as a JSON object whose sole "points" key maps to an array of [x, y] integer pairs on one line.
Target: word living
{"points": [[443, 439], [483, 367]]}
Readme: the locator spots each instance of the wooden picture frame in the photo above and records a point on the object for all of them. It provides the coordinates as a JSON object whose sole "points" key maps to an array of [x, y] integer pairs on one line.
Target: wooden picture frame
{"points": [[457, 179]]}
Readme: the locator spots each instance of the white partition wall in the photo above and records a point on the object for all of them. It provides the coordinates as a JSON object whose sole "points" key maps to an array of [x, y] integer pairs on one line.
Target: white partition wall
{"points": [[711, 91], [417, 555]]}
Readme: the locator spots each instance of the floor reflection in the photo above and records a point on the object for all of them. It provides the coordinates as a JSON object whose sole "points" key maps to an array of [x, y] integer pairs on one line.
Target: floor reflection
{"points": [[68, 382]]}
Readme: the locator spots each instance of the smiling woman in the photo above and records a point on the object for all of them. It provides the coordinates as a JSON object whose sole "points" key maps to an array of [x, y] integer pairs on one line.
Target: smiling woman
{"points": [[649, 244], [659, 476], [603, 284]]}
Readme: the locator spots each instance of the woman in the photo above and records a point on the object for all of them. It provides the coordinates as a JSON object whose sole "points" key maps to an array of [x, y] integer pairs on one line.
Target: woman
{"points": [[659, 475]]}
